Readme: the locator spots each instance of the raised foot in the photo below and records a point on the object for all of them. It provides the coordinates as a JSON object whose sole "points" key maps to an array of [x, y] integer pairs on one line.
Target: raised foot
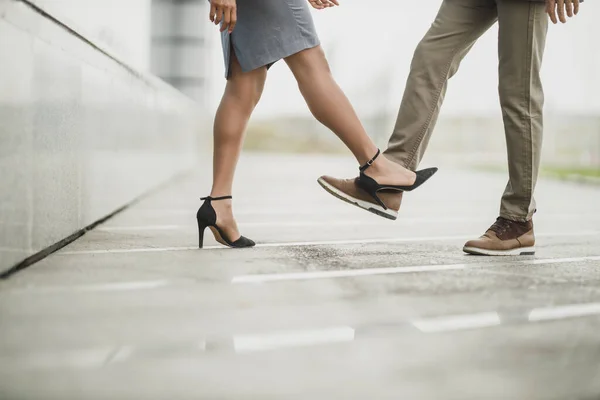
{"points": [[348, 191]]}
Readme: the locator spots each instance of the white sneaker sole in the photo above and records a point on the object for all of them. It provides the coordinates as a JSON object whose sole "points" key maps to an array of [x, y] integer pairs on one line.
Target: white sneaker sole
{"points": [[374, 208], [521, 251]]}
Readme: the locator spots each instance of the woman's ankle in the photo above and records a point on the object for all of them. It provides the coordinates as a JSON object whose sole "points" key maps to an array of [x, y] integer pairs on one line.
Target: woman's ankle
{"points": [[384, 164], [365, 156], [216, 193]]}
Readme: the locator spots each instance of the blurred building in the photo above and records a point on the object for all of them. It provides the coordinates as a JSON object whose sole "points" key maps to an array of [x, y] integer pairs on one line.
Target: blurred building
{"points": [[179, 46]]}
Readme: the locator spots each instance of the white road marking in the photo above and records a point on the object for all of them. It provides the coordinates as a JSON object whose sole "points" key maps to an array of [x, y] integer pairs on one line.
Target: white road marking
{"points": [[364, 241], [303, 276], [123, 286], [135, 250], [284, 223], [265, 209], [120, 354], [84, 358], [100, 287], [347, 273], [277, 340], [457, 322], [98, 357], [565, 260], [192, 228], [313, 243], [298, 276], [521, 275], [143, 228], [268, 245], [318, 208], [562, 312], [303, 223]]}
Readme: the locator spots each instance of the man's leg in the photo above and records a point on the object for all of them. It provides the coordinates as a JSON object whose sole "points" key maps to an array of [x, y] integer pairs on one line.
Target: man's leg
{"points": [[457, 27], [522, 38]]}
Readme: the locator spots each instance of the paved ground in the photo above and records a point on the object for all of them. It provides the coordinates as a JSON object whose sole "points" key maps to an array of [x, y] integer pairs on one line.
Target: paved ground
{"points": [[334, 303]]}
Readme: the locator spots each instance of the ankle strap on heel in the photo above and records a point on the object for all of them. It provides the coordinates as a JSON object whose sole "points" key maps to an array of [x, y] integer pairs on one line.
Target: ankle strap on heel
{"points": [[209, 198], [370, 162]]}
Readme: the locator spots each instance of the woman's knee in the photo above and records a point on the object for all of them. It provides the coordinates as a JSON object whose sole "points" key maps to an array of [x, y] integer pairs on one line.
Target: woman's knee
{"points": [[309, 60], [247, 88]]}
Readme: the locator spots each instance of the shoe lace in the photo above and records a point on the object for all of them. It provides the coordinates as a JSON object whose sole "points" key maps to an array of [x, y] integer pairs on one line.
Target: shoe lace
{"points": [[501, 226]]}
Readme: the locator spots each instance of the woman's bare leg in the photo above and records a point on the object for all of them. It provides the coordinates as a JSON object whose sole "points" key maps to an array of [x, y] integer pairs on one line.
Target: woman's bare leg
{"points": [[331, 107], [242, 93]]}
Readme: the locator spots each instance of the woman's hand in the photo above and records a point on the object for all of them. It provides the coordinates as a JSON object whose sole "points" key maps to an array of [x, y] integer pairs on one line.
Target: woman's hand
{"points": [[224, 11], [323, 4], [568, 7]]}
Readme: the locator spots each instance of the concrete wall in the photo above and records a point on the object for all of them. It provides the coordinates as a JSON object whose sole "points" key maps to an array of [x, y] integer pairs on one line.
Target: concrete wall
{"points": [[123, 26], [81, 133]]}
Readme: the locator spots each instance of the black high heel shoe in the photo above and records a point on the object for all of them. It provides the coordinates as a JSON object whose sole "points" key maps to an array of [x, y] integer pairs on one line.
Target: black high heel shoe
{"points": [[207, 218], [372, 187]]}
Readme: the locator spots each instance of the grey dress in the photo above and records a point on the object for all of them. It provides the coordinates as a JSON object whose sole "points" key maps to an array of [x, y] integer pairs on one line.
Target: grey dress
{"points": [[267, 31]]}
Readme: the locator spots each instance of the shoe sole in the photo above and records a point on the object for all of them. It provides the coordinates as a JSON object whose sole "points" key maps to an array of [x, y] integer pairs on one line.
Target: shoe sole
{"points": [[522, 251], [373, 208]]}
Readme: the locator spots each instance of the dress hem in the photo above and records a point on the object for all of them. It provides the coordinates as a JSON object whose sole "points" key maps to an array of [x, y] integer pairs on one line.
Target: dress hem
{"points": [[296, 48]]}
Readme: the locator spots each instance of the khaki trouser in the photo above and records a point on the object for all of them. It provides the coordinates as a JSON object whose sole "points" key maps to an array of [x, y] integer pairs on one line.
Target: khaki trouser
{"points": [[521, 41]]}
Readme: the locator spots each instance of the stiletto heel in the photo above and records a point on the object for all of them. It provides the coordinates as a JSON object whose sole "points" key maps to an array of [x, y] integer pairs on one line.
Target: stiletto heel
{"points": [[372, 187], [201, 229], [207, 218]]}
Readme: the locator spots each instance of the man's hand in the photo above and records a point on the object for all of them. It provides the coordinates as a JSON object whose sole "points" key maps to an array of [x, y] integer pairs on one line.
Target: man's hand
{"points": [[224, 11], [323, 4], [570, 7]]}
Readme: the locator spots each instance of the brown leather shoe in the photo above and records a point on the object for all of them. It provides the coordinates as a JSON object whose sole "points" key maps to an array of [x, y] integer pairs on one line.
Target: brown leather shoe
{"points": [[348, 191], [504, 238]]}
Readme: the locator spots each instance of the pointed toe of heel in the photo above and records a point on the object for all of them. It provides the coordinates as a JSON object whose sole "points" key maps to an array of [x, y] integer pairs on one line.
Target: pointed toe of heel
{"points": [[422, 177], [243, 242], [428, 172]]}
